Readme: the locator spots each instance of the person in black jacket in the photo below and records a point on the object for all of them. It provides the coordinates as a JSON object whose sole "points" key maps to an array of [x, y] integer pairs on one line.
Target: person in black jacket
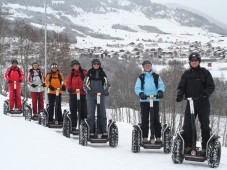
{"points": [[197, 83]]}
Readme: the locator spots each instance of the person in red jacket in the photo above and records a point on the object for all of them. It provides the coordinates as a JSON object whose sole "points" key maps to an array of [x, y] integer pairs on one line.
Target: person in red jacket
{"points": [[75, 80], [14, 74]]}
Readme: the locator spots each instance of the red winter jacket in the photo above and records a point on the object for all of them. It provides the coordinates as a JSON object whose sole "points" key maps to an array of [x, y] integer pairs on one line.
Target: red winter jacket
{"points": [[14, 74], [76, 82]]}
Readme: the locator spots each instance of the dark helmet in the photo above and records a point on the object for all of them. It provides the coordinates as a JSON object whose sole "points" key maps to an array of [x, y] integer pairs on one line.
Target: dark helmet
{"points": [[74, 62], [194, 55], [146, 62], [54, 65], [35, 63], [14, 61], [95, 60]]}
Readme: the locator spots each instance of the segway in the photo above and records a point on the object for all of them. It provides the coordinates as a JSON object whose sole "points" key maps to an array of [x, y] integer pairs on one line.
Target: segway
{"points": [[112, 134], [6, 107], [137, 135], [67, 121], [213, 150], [15, 111], [56, 124], [44, 116], [26, 108]]}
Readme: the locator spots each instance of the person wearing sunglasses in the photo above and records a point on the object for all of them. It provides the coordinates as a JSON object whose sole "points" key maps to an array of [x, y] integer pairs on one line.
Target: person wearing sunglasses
{"points": [[96, 82], [197, 83]]}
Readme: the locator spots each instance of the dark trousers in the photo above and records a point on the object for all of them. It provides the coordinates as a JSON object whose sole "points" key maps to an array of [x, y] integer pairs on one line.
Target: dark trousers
{"points": [[55, 106], [73, 108], [202, 110], [145, 113]]}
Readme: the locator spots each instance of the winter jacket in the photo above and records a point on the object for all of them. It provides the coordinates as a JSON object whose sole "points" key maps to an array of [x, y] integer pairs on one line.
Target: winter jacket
{"points": [[195, 83], [35, 77], [54, 79], [149, 86], [14, 74], [96, 81], [76, 82]]}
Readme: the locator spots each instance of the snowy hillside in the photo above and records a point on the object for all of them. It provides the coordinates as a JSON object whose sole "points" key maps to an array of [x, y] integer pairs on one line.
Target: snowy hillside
{"points": [[27, 145]]}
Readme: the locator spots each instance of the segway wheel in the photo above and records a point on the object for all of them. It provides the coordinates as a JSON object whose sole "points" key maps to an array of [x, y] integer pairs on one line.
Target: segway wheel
{"points": [[167, 141], [5, 107], [113, 135], [83, 135], [27, 114], [44, 119], [214, 153], [39, 118], [136, 140], [66, 127], [177, 155]]}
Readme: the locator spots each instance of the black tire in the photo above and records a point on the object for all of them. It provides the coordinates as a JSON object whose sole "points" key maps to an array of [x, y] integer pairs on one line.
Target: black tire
{"points": [[177, 155], [136, 140], [83, 135], [5, 108], [66, 127], [113, 135], [44, 119], [27, 113], [167, 141], [39, 118], [214, 153]]}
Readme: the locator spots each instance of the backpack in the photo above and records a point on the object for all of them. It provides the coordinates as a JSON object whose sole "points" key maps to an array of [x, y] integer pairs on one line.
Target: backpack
{"points": [[12, 69], [142, 77], [81, 74], [59, 77], [32, 74]]}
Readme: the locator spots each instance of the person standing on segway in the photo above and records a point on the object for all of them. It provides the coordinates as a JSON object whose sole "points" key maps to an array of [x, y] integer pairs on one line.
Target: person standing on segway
{"points": [[54, 81], [14, 74], [75, 81], [36, 84], [96, 82], [149, 83], [196, 83]]}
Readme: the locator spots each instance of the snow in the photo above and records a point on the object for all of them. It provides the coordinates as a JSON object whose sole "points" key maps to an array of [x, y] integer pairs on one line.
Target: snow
{"points": [[27, 145]]}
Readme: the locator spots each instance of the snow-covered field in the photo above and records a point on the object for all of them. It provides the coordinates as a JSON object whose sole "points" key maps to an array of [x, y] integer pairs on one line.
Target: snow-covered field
{"points": [[27, 145]]}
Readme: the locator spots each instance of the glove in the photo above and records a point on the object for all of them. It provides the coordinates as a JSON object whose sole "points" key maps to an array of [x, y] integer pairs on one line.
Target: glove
{"points": [[44, 85], [20, 81], [10, 81], [91, 93], [142, 96], [159, 94], [33, 85], [63, 87], [51, 87], [70, 90], [179, 98], [106, 93]]}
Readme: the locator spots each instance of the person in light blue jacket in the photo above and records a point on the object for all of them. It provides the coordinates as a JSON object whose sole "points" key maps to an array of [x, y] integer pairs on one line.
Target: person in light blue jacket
{"points": [[149, 83]]}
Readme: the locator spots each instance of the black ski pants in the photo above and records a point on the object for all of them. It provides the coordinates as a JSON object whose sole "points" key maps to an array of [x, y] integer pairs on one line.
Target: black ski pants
{"points": [[55, 106], [202, 110], [75, 105], [145, 113]]}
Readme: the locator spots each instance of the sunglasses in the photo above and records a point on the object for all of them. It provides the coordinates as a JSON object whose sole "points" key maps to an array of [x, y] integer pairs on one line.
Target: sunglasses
{"points": [[54, 66], [147, 65], [194, 60], [96, 64]]}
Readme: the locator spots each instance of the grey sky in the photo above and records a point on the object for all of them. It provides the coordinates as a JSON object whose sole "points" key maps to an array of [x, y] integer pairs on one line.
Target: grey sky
{"points": [[214, 8]]}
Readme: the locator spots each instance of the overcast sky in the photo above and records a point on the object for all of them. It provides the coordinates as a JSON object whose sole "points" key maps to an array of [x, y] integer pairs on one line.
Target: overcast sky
{"points": [[214, 8]]}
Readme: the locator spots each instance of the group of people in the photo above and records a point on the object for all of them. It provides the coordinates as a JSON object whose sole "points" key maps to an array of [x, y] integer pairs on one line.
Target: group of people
{"points": [[196, 82], [88, 83]]}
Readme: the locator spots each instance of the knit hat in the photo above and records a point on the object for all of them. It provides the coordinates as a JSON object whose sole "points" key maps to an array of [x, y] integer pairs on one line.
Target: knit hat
{"points": [[74, 62], [146, 62], [14, 61], [96, 61]]}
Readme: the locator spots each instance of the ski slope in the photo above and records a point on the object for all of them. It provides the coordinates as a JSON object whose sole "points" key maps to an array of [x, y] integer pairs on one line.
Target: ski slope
{"points": [[27, 145]]}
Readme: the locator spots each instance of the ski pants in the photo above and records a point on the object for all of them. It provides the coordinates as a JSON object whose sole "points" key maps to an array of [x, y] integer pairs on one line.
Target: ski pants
{"points": [[35, 97], [55, 107], [145, 114], [73, 105], [101, 116], [202, 109], [12, 92]]}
